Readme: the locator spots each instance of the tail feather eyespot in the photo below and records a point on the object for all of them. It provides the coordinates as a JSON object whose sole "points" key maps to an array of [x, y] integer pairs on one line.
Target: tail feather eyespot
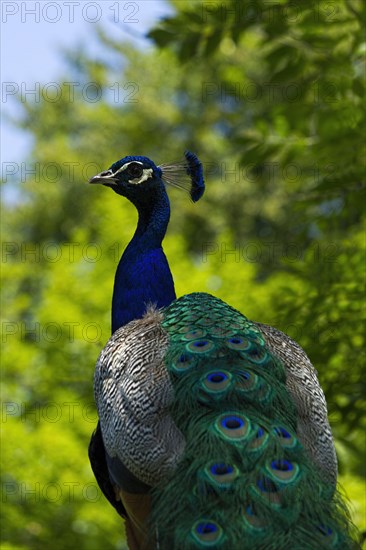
{"points": [[247, 380], [182, 363], [233, 427], [285, 438], [251, 519], [207, 533], [238, 343], [282, 470], [259, 441], [200, 346], [329, 536], [193, 334], [222, 474], [268, 490], [217, 381]]}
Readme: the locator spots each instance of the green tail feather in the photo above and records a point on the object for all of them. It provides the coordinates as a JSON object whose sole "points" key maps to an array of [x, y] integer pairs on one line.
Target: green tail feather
{"points": [[244, 481]]}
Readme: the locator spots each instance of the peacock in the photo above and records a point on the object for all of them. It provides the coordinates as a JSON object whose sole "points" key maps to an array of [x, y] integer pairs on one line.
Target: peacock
{"points": [[213, 429]]}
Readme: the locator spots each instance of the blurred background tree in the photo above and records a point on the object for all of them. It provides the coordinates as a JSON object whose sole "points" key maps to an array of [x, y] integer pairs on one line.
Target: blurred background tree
{"points": [[271, 97]]}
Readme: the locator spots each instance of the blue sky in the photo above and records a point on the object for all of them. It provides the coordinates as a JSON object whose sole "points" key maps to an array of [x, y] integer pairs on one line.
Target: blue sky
{"points": [[33, 36]]}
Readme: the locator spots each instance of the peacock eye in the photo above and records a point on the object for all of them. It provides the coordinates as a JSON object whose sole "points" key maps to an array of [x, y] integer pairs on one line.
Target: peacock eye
{"points": [[135, 170]]}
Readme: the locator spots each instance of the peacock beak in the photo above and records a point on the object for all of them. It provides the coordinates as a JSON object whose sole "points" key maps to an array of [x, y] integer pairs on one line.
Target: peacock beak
{"points": [[106, 178]]}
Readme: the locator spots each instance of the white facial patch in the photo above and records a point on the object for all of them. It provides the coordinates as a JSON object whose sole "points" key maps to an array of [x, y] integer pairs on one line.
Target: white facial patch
{"points": [[146, 173], [125, 166]]}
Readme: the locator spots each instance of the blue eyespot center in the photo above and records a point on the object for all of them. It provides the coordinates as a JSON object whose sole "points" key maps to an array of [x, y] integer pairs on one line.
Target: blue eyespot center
{"points": [[200, 343], [249, 510], [232, 423], [235, 340], [221, 469], [217, 377], [282, 432], [282, 465], [206, 528], [325, 530]]}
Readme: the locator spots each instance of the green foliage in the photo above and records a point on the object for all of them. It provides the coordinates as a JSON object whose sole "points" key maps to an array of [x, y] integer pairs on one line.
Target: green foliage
{"points": [[271, 99]]}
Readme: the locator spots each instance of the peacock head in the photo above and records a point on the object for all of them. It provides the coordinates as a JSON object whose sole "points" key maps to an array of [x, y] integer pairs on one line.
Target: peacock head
{"points": [[138, 178]]}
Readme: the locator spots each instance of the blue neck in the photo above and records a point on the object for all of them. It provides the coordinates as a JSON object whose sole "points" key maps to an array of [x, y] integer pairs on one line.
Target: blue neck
{"points": [[143, 276]]}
